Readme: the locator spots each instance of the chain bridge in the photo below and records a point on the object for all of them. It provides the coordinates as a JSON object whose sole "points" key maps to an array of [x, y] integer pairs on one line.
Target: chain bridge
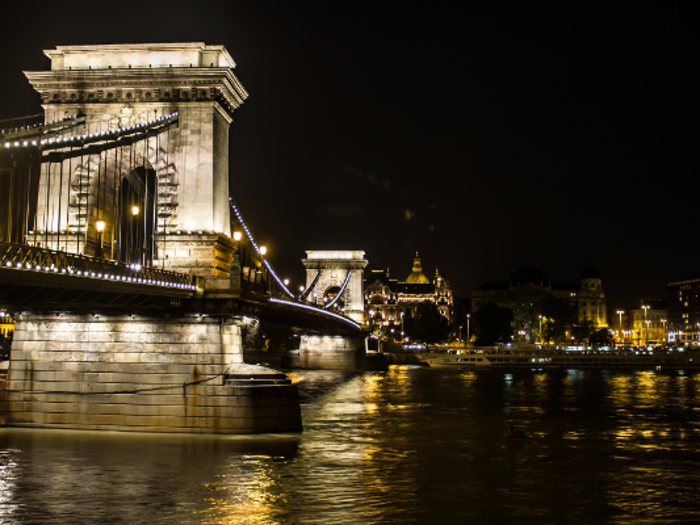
{"points": [[124, 257]]}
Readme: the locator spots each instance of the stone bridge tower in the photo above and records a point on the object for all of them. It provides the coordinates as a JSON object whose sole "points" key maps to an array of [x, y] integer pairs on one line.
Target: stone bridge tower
{"points": [[326, 276], [115, 86]]}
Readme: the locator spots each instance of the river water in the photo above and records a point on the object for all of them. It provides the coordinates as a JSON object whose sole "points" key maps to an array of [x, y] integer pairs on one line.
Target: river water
{"points": [[408, 446]]}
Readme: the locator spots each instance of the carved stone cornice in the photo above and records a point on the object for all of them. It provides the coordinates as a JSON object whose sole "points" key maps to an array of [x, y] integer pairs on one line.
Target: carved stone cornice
{"points": [[163, 85]]}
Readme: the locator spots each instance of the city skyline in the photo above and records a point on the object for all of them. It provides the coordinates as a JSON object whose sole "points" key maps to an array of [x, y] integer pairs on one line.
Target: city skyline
{"points": [[487, 140]]}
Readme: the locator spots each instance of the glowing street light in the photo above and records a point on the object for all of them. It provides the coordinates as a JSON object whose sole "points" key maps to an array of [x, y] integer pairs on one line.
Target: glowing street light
{"points": [[663, 323], [237, 236], [135, 210], [100, 227], [646, 307], [263, 250]]}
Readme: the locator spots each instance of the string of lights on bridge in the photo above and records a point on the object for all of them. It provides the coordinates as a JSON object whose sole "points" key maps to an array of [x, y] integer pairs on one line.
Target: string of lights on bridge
{"points": [[27, 128], [296, 303], [105, 276], [60, 142], [258, 250], [317, 310]]}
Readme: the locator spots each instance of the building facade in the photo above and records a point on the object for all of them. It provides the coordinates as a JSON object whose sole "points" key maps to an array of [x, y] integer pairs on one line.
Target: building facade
{"points": [[388, 300], [530, 287], [683, 303], [646, 324]]}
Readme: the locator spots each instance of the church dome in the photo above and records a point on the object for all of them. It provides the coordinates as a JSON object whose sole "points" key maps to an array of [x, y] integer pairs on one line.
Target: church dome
{"points": [[417, 275]]}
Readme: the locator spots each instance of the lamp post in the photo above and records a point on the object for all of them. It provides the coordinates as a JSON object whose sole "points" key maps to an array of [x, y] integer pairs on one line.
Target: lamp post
{"points": [[100, 227], [134, 212], [540, 329], [468, 336], [620, 312], [645, 307], [663, 324]]}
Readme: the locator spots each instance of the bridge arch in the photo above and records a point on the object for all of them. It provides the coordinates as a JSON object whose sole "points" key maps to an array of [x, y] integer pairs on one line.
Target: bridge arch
{"points": [[329, 273]]}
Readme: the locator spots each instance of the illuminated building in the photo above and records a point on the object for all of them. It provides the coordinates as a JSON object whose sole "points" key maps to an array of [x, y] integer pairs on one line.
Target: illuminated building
{"points": [[683, 310], [646, 324], [529, 286], [387, 299]]}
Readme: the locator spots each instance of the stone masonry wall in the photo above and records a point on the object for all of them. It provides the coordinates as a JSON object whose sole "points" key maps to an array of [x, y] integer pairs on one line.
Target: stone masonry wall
{"points": [[137, 374]]}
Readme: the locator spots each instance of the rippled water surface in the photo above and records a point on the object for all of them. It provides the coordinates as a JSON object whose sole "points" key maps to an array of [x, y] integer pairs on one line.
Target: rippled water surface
{"points": [[407, 446]]}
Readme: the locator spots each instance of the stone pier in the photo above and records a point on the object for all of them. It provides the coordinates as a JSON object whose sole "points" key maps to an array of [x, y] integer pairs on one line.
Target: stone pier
{"points": [[141, 374], [334, 352]]}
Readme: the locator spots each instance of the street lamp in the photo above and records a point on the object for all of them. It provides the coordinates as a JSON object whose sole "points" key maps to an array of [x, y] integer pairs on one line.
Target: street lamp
{"points": [[646, 307], [263, 250], [663, 323], [100, 227], [468, 337], [647, 330], [540, 328], [237, 236], [135, 210]]}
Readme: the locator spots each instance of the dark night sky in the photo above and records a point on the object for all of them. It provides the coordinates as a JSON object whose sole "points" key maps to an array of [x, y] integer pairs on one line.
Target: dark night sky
{"points": [[485, 138]]}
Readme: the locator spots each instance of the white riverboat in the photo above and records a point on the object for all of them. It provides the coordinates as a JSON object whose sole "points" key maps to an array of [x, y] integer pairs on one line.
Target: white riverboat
{"points": [[535, 356], [524, 356]]}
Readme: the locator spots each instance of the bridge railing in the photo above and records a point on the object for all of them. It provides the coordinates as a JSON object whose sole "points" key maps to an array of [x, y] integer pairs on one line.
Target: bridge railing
{"points": [[37, 259]]}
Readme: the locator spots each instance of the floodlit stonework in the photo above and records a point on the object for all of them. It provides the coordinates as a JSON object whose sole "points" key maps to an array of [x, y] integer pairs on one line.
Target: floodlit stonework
{"points": [[177, 369], [117, 86], [147, 375], [326, 272]]}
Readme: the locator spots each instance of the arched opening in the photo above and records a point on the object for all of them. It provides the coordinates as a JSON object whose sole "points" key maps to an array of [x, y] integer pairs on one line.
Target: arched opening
{"points": [[377, 299], [137, 216], [331, 294]]}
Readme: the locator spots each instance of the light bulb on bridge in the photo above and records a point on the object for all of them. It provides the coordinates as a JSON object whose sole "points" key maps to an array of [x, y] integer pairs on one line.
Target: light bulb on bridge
{"points": [[135, 210], [286, 282], [263, 250], [237, 236], [100, 226]]}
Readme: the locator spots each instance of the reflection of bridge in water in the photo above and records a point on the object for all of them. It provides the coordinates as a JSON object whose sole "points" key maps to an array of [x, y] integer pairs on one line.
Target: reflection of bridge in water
{"points": [[124, 259]]}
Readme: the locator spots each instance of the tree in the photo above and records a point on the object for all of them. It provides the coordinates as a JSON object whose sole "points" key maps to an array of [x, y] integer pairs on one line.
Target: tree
{"points": [[583, 329], [602, 337], [493, 323], [427, 325], [560, 315]]}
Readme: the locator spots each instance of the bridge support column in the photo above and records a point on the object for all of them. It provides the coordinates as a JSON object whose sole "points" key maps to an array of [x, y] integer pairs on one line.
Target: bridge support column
{"points": [[141, 374], [334, 352]]}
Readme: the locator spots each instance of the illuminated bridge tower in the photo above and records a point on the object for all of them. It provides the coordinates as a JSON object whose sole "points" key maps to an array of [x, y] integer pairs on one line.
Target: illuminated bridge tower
{"points": [[132, 355], [333, 273], [335, 280], [163, 201]]}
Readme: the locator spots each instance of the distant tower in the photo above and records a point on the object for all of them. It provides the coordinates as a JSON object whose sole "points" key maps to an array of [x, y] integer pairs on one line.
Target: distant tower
{"points": [[591, 297]]}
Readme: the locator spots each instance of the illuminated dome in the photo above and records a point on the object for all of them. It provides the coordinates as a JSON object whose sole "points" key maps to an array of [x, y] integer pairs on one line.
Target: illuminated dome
{"points": [[417, 275]]}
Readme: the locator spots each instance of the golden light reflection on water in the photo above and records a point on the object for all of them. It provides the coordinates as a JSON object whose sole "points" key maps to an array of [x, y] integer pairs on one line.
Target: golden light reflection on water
{"points": [[468, 378], [243, 495], [404, 446], [295, 377]]}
